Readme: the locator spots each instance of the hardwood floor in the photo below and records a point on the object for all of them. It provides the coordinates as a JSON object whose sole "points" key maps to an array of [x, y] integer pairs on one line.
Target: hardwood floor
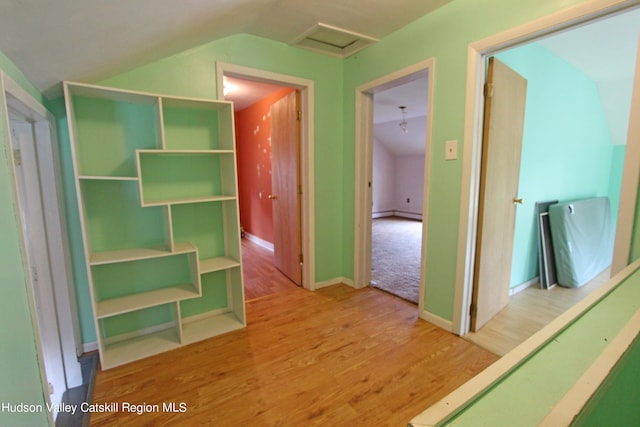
{"points": [[338, 356], [261, 277], [528, 312]]}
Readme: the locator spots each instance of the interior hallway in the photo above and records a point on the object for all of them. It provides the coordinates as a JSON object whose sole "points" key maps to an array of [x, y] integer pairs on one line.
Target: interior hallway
{"points": [[336, 356]]}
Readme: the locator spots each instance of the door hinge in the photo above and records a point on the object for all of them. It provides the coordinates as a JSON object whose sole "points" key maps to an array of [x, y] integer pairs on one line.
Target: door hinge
{"points": [[17, 157], [473, 310], [300, 189], [488, 90], [299, 115], [301, 258]]}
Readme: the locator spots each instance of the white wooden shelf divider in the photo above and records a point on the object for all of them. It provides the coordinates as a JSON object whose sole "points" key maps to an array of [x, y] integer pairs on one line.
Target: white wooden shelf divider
{"points": [[135, 155]]}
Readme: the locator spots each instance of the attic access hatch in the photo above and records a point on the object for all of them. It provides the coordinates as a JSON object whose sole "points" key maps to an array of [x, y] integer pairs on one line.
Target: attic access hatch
{"points": [[334, 41]]}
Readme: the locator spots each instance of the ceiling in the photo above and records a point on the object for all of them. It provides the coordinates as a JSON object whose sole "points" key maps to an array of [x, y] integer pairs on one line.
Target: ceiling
{"points": [[90, 40], [387, 116], [244, 93], [606, 52]]}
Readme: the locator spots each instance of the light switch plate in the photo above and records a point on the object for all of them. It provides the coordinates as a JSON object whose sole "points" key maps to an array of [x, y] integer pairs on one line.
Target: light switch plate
{"points": [[451, 150]]}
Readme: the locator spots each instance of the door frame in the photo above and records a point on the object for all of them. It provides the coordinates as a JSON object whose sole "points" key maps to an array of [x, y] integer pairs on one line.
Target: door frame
{"points": [[364, 175], [306, 89], [477, 53], [59, 305]]}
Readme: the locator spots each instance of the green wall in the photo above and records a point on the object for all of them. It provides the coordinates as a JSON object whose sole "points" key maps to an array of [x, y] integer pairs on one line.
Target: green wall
{"points": [[193, 74], [615, 179], [615, 403], [19, 371], [567, 152], [444, 35]]}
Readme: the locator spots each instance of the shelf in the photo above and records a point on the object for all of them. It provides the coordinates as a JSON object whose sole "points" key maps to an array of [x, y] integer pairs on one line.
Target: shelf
{"points": [[157, 183], [139, 347], [186, 152], [196, 104], [185, 177], [152, 278], [108, 178], [206, 199], [210, 265], [108, 133], [199, 328], [115, 306], [197, 124], [134, 254], [114, 219], [113, 94], [201, 224]]}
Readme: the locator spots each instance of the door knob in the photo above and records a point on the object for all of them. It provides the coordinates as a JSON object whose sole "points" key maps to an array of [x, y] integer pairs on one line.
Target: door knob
{"points": [[517, 201], [272, 197]]}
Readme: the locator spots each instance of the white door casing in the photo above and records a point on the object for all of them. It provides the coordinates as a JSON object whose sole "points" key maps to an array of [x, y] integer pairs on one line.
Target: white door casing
{"points": [[477, 53], [38, 200], [305, 88], [364, 174]]}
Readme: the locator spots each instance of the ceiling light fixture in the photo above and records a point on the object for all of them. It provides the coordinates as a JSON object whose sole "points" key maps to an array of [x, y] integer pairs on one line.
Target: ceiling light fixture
{"points": [[403, 124]]}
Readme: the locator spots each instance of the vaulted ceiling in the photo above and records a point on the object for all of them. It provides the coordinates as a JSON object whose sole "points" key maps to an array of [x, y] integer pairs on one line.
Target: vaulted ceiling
{"points": [[89, 40]]}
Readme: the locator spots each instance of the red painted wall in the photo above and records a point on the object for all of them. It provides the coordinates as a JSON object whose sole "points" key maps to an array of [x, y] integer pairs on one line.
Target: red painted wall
{"points": [[253, 146]]}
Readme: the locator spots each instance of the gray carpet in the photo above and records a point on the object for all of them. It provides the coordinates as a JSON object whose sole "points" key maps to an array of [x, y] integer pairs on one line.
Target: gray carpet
{"points": [[395, 256]]}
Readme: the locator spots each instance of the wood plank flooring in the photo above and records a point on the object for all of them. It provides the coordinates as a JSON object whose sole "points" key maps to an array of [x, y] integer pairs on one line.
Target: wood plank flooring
{"points": [[261, 277], [334, 357], [528, 312]]}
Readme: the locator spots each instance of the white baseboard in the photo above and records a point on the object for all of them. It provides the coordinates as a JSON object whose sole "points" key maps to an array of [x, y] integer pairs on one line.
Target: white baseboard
{"points": [[89, 347], [381, 214], [334, 281], [258, 241], [401, 214], [521, 287], [445, 324], [408, 215]]}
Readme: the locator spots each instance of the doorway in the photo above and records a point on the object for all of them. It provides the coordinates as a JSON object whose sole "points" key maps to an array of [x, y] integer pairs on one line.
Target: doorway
{"points": [[276, 90], [36, 171], [544, 46], [398, 177], [382, 98]]}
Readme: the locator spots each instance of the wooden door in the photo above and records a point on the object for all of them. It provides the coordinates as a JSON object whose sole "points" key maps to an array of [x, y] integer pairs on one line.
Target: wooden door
{"points": [[505, 98], [286, 191]]}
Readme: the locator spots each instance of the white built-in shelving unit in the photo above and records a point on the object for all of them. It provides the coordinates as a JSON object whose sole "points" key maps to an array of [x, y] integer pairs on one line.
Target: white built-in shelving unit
{"points": [[157, 192]]}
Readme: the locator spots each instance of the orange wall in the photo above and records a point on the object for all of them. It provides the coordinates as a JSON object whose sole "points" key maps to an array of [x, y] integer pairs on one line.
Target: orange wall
{"points": [[253, 142]]}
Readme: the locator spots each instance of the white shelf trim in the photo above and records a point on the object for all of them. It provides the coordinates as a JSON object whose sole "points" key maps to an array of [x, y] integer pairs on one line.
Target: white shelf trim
{"points": [[136, 254], [107, 178], [129, 303], [209, 265]]}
